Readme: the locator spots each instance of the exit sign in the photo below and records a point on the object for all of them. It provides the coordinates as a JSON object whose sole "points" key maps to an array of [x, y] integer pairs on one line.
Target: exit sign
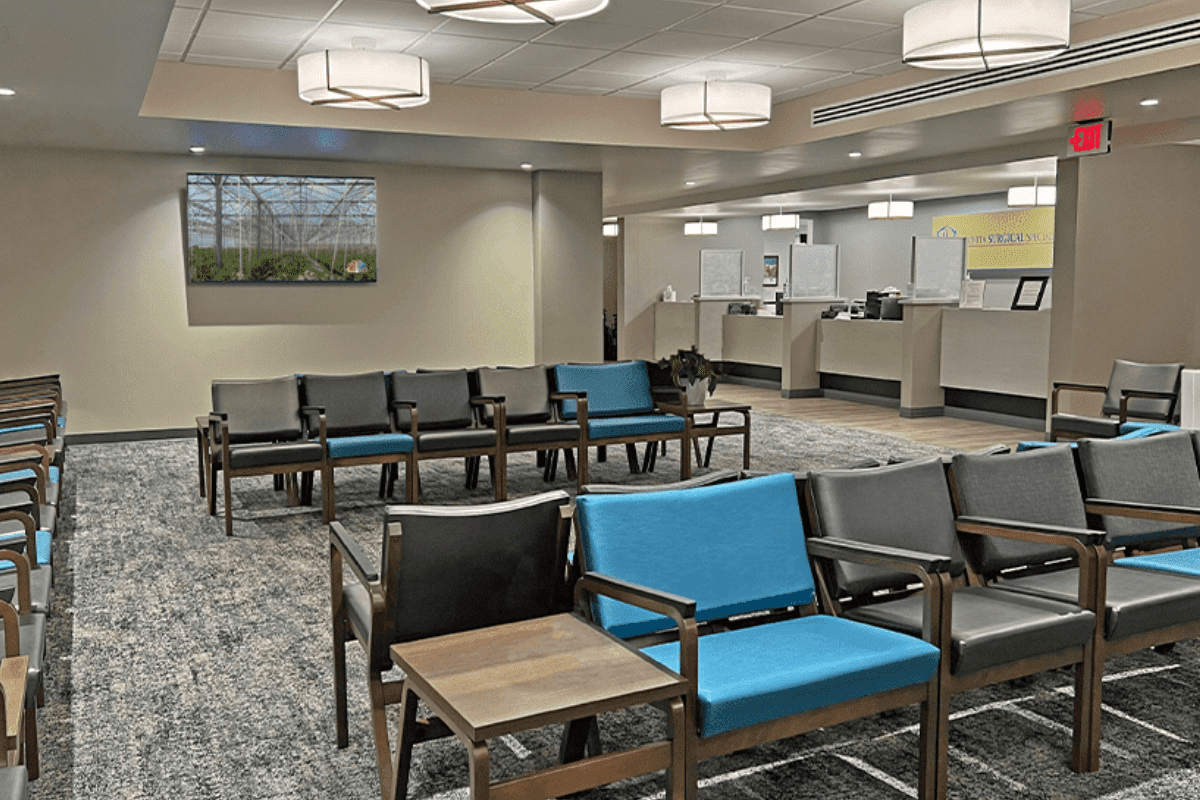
{"points": [[1091, 138]]}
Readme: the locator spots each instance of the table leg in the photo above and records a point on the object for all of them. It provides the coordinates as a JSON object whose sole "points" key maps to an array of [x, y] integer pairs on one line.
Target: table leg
{"points": [[746, 443], [404, 745], [480, 771], [202, 452]]}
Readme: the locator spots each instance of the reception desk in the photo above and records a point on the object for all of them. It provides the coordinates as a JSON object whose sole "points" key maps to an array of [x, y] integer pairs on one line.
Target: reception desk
{"points": [[1003, 352], [752, 339], [861, 348]]}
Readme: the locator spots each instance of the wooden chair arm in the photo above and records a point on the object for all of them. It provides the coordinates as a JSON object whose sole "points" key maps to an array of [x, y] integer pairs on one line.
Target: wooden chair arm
{"points": [[12, 630], [1135, 510], [1128, 394], [21, 562], [360, 564], [879, 555]]}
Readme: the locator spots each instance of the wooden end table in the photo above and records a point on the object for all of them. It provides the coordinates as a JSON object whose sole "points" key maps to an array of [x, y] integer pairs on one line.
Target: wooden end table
{"points": [[712, 428], [508, 678]]}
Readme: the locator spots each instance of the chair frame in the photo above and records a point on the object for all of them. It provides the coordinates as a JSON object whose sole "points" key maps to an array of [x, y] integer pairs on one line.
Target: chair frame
{"points": [[495, 453], [1126, 396], [344, 551], [219, 422], [929, 569]]}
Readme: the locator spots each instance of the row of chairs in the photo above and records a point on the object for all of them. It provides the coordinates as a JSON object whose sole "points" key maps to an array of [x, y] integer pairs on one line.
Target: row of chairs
{"points": [[791, 602], [33, 417], [310, 424]]}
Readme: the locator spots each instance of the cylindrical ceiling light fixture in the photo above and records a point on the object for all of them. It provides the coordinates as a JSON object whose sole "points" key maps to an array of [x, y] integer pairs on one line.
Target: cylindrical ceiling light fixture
{"points": [[363, 79], [1032, 196], [514, 11], [700, 228], [781, 222], [611, 229], [715, 106], [891, 209], [984, 34]]}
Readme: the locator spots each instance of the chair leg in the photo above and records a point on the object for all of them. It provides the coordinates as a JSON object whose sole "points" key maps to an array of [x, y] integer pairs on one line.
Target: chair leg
{"points": [[602, 453], [203, 469], [928, 766], [569, 460], [576, 738], [676, 788], [582, 472], [339, 680], [403, 761], [278, 483], [328, 494], [385, 472], [648, 458], [383, 749], [631, 454], [412, 482], [228, 504], [498, 490], [541, 458], [663, 443], [32, 762], [306, 488], [212, 489]]}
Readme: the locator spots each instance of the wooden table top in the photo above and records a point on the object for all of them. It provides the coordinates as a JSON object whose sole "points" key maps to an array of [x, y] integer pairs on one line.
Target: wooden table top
{"points": [[710, 404], [523, 675], [13, 672]]}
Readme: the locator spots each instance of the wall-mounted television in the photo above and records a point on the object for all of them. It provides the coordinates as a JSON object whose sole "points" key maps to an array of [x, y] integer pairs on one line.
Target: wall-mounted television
{"points": [[273, 228]]}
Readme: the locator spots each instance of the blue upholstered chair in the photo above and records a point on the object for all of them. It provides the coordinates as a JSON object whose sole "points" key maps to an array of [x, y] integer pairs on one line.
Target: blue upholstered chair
{"points": [[1039, 492], [358, 428], [985, 635], [613, 405], [677, 561]]}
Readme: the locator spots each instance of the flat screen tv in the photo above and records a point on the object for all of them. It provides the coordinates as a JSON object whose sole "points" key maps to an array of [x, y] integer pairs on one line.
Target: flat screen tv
{"points": [[273, 228]]}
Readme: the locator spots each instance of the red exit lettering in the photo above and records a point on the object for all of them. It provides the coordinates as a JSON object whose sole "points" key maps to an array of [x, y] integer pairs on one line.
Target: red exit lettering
{"points": [[1092, 137]]}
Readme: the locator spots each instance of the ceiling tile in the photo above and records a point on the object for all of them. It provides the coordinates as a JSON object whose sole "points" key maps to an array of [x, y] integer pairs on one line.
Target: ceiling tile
{"points": [[786, 79], [227, 47], [637, 63], [556, 88], [740, 22], [638, 91], [229, 61], [791, 6], [888, 68], [175, 42], [846, 60], [496, 84], [486, 30], [656, 14], [1114, 6], [189, 3], [458, 55], [341, 37], [585, 33], [890, 42], [589, 79], [499, 71], [838, 80], [683, 45], [890, 12], [728, 70], [182, 19], [548, 55], [250, 26], [312, 10], [826, 32], [1082, 16], [386, 14], [772, 53]]}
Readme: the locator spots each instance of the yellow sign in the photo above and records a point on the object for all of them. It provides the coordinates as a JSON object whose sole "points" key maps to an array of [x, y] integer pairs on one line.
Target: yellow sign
{"points": [[1016, 240]]}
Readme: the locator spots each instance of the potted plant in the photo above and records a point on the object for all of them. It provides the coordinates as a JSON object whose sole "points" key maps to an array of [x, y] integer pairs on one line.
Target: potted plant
{"points": [[693, 373]]}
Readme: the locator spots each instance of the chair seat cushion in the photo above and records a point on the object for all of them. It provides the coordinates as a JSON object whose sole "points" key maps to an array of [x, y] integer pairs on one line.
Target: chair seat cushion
{"points": [[990, 627], [648, 424], [14, 783], [250, 456], [543, 432], [1140, 430], [33, 644], [12, 537], [1137, 600], [1180, 562], [746, 676], [40, 581], [358, 608], [380, 444], [1085, 426], [435, 441]]}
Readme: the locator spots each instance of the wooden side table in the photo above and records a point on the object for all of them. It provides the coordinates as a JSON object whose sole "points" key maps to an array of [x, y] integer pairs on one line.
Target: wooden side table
{"points": [[712, 428], [508, 678]]}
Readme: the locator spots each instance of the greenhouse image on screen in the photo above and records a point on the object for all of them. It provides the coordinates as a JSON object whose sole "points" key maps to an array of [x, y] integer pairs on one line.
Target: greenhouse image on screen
{"points": [[260, 228]]}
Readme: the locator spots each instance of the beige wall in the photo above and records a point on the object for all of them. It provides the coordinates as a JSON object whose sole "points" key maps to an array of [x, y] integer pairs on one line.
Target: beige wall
{"points": [[93, 264], [1124, 262]]}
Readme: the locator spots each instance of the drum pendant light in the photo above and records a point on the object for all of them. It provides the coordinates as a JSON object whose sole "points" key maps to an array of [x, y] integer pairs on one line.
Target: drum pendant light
{"points": [[985, 34], [514, 11], [715, 105], [363, 79]]}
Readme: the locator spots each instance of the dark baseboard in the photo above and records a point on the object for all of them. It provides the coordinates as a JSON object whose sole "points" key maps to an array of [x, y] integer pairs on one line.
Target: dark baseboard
{"points": [[858, 397], [129, 436], [925, 411], [858, 385], [760, 375], [996, 418], [790, 393], [743, 381]]}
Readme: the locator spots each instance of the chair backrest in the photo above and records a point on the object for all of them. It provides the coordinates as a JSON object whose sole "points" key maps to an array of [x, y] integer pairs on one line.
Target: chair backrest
{"points": [[733, 548], [447, 569], [526, 393], [1148, 377], [354, 404], [613, 390], [1040, 486], [260, 410], [906, 506], [709, 479], [1159, 469], [443, 399]]}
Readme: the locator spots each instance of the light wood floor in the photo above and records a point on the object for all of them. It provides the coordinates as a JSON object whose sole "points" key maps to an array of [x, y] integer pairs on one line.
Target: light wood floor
{"points": [[958, 434]]}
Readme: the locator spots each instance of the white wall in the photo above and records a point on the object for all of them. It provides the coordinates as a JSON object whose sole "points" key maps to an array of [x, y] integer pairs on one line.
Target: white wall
{"points": [[94, 284]]}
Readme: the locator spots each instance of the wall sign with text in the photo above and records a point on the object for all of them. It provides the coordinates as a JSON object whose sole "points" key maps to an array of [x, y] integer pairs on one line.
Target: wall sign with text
{"points": [[1003, 240], [1090, 138]]}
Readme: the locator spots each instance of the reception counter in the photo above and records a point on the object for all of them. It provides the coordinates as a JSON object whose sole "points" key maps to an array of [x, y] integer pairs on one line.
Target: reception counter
{"points": [[1004, 352], [863, 348], [752, 339]]}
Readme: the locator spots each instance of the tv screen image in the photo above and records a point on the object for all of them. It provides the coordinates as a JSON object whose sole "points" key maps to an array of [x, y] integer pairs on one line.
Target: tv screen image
{"points": [[272, 228]]}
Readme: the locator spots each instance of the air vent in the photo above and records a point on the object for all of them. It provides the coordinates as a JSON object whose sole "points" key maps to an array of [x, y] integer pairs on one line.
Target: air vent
{"points": [[1150, 40]]}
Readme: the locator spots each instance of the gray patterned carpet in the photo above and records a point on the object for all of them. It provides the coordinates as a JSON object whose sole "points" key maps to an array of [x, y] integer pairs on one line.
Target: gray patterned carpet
{"points": [[185, 664]]}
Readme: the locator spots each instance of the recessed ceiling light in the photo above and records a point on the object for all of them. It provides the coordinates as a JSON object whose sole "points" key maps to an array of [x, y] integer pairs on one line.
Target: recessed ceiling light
{"points": [[689, 183], [527, 165], [195, 149], [1149, 101], [854, 154], [6, 92]]}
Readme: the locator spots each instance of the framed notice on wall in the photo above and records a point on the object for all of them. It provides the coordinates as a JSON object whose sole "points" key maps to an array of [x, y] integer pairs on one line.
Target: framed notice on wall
{"points": [[770, 270], [1030, 292]]}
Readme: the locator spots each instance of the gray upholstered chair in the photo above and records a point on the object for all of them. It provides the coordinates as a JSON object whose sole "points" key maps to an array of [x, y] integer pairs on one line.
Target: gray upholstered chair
{"points": [[1144, 391], [438, 411], [528, 417], [256, 429], [24, 634], [1038, 491], [359, 429], [445, 569], [994, 635]]}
